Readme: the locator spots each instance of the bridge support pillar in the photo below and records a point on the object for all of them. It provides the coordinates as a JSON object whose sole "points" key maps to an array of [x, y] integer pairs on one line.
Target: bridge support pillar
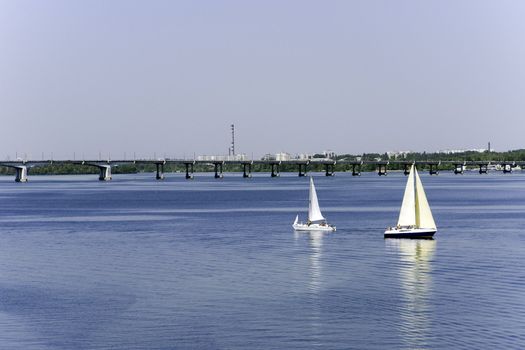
{"points": [[329, 169], [433, 169], [483, 168], [459, 168], [381, 170], [356, 169], [21, 173], [160, 171], [507, 168], [218, 170], [406, 169], [275, 170], [105, 172], [247, 170], [302, 169], [189, 171]]}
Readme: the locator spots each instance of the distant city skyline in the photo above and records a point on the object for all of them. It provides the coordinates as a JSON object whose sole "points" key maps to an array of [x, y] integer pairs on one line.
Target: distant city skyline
{"points": [[169, 78], [282, 155]]}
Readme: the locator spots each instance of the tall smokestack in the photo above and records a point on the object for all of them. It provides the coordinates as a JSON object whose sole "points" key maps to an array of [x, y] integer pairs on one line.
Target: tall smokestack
{"points": [[233, 140]]}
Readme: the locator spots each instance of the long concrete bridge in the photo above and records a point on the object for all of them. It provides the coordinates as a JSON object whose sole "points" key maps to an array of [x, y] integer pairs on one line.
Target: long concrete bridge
{"points": [[22, 166]]}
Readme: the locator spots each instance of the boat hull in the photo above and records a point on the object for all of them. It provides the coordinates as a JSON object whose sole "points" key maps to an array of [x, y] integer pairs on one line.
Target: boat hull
{"points": [[313, 227], [421, 233]]}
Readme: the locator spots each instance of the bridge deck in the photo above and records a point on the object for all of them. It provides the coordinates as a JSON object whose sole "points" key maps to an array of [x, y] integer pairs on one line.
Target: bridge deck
{"points": [[261, 162]]}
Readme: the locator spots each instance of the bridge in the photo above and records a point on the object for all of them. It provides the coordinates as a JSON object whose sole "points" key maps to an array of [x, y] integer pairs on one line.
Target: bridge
{"points": [[22, 167]]}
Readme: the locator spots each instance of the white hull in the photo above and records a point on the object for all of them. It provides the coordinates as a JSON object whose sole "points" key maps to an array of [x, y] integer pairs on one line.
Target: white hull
{"points": [[313, 227]]}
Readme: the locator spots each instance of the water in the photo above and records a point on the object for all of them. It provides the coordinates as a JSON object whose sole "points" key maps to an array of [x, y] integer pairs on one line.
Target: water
{"points": [[214, 264]]}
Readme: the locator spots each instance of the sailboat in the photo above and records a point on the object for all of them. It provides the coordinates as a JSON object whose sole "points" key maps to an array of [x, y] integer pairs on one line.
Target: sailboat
{"points": [[415, 217], [316, 220]]}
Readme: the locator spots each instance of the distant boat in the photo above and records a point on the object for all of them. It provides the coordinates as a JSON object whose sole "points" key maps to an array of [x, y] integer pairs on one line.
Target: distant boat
{"points": [[415, 217], [316, 220]]}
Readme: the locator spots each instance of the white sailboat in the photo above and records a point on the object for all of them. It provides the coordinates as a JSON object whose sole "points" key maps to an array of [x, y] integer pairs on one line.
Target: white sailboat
{"points": [[316, 220], [415, 217]]}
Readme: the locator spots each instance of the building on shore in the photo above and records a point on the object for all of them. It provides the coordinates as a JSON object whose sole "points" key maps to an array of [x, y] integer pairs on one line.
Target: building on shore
{"points": [[329, 154], [304, 156], [220, 158], [453, 151], [397, 154], [281, 156], [284, 156]]}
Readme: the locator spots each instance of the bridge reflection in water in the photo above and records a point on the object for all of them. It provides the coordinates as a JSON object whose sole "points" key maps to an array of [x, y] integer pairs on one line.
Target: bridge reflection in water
{"points": [[415, 276]]}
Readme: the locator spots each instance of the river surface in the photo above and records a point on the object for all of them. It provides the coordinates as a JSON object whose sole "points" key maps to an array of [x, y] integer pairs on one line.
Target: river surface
{"points": [[214, 264]]}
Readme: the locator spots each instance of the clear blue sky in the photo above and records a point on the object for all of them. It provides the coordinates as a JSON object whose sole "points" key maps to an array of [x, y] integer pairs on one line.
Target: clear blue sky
{"points": [[298, 76]]}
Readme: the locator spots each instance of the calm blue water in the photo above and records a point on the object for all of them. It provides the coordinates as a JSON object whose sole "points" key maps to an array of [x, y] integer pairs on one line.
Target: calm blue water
{"points": [[214, 264]]}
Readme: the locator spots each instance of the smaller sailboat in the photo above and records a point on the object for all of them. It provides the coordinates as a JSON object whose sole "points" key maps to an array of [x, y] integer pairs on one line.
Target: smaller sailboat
{"points": [[415, 217], [316, 220]]}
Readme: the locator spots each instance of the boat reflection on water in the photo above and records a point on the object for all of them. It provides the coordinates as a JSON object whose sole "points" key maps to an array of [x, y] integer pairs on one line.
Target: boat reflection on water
{"points": [[415, 272], [314, 284], [316, 244]]}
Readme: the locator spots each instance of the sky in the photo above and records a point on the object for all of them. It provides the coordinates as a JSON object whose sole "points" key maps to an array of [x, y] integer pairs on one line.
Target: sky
{"points": [[167, 78]]}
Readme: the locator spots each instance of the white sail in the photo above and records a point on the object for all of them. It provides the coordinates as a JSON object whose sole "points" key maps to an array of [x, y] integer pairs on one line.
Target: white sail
{"points": [[407, 215], [314, 212], [424, 217], [296, 220]]}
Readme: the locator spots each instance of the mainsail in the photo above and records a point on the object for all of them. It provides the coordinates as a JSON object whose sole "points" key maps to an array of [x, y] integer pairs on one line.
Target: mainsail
{"points": [[314, 212], [407, 215], [415, 210]]}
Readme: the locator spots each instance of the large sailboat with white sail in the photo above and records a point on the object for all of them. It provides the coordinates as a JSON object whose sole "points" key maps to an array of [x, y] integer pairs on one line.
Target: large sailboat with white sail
{"points": [[415, 217], [316, 220]]}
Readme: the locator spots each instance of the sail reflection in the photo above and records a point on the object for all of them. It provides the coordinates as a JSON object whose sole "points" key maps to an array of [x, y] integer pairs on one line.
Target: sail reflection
{"points": [[415, 270]]}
